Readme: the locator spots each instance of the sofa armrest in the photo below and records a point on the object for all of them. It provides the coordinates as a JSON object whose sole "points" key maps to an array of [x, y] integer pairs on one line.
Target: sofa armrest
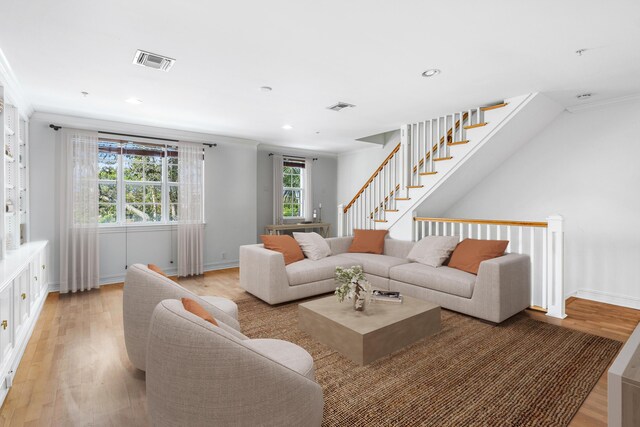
{"points": [[339, 245], [504, 286], [262, 272]]}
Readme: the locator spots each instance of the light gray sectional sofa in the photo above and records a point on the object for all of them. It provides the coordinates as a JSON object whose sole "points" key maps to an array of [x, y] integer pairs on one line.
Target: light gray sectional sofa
{"points": [[501, 289]]}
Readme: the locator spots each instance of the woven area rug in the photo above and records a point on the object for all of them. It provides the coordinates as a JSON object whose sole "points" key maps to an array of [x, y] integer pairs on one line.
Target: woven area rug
{"points": [[519, 373]]}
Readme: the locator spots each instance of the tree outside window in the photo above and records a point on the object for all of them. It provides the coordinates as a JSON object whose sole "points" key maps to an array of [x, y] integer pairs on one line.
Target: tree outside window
{"points": [[292, 192], [137, 183]]}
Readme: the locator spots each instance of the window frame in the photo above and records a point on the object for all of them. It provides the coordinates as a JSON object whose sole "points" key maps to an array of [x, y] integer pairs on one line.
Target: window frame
{"points": [[121, 183], [301, 189]]}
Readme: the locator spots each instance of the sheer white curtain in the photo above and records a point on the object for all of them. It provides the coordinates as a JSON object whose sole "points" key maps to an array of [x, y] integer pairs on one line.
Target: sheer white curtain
{"points": [[190, 209], [278, 166], [308, 189], [79, 261]]}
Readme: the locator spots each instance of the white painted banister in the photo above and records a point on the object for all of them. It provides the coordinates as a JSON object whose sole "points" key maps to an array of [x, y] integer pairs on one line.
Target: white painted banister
{"points": [[424, 147], [542, 241]]}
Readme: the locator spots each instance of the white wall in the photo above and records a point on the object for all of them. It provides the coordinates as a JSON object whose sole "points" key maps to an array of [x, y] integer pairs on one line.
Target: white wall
{"points": [[230, 200], [584, 166], [356, 167], [325, 183]]}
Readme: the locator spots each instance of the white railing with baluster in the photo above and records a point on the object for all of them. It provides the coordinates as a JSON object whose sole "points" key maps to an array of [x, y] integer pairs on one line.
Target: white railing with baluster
{"points": [[542, 241], [422, 145]]}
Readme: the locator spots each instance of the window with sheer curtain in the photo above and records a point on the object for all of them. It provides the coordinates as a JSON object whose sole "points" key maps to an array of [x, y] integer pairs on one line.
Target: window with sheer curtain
{"points": [[138, 183]]}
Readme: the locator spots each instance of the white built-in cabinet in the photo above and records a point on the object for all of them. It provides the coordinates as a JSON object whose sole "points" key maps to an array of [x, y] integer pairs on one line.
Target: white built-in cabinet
{"points": [[23, 290], [23, 264]]}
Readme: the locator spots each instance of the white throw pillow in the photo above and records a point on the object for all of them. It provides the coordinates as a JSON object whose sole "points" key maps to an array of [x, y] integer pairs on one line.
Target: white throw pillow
{"points": [[313, 245], [433, 250]]}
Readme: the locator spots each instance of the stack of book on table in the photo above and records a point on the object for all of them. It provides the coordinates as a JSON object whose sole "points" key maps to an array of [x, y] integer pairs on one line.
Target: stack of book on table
{"points": [[386, 296]]}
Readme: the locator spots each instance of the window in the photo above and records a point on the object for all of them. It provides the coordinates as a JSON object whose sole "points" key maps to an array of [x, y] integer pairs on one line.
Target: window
{"points": [[138, 183], [293, 189]]}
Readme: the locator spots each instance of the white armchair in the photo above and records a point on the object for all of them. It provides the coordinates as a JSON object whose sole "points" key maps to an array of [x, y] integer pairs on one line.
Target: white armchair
{"points": [[143, 290], [201, 375]]}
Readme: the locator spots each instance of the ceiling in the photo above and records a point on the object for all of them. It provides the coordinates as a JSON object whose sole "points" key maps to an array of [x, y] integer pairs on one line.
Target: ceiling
{"points": [[370, 53]]}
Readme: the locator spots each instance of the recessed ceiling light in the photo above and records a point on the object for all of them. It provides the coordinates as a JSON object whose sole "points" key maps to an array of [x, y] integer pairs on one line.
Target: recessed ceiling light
{"points": [[134, 101], [266, 88], [430, 73], [584, 96], [84, 93], [287, 127]]}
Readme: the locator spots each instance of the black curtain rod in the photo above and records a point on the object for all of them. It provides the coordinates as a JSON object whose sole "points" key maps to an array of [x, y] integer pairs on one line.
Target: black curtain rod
{"points": [[294, 157], [56, 128]]}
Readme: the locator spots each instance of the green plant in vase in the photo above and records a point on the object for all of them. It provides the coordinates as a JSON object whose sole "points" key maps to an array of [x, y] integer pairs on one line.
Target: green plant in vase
{"points": [[352, 285]]}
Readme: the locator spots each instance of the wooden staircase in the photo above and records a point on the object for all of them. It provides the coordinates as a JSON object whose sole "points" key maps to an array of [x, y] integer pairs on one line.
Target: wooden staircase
{"points": [[428, 151]]}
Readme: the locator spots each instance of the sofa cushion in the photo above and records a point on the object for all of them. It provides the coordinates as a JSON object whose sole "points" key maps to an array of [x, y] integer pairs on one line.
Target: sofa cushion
{"points": [[368, 241], [443, 279], [378, 265], [433, 250], [284, 244], [308, 271], [471, 252], [313, 245], [287, 354]]}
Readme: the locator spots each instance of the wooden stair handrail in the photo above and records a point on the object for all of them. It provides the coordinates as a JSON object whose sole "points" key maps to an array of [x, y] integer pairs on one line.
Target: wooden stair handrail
{"points": [[370, 180], [484, 222], [435, 146]]}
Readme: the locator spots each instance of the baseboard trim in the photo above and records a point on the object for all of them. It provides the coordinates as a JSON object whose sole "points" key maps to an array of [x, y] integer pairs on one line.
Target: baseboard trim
{"points": [[609, 298], [119, 278]]}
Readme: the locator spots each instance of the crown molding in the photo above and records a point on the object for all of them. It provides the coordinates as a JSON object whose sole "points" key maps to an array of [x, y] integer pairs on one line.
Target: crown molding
{"points": [[281, 149], [13, 89], [92, 124], [602, 103]]}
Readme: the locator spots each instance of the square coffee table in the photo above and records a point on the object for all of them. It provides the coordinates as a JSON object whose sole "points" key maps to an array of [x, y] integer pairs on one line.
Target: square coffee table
{"points": [[365, 336]]}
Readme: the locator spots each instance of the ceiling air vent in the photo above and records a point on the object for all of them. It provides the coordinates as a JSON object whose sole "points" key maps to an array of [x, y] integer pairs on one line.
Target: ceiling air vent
{"points": [[340, 105], [152, 60]]}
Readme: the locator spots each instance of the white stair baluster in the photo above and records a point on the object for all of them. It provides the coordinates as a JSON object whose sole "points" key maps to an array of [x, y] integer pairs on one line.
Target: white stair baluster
{"points": [[532, 256]]}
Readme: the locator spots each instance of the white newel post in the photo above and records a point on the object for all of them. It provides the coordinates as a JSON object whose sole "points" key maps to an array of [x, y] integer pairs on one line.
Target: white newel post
{"points": [[340, 221], [555, 267]]}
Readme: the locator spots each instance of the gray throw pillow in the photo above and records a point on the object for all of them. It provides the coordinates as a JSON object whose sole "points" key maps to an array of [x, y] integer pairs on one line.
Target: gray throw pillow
{"points": [[433, 250]]}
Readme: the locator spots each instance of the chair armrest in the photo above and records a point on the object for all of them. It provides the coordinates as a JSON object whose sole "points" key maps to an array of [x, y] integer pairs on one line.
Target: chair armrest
{"points": [[262, 272], [339, 245], [504, 284]]}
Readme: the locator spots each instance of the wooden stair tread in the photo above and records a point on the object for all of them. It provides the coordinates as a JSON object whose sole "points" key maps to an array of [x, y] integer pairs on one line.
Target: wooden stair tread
{"points": [[403, 198], [391, 210], [415, 186], [427, 173], [380, 220], [477, 125], [493, 107], [442, 158], [458, 142]]}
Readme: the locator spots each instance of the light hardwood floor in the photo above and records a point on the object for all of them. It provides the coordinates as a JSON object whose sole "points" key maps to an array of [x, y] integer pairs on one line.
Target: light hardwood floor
{"points": [[75, 370]]}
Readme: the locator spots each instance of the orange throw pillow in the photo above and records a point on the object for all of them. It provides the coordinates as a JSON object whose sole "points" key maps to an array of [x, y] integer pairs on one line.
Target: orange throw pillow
{"points": [[194, 308], [284, 244], [469, 253], [157, 269], [368, 241]]}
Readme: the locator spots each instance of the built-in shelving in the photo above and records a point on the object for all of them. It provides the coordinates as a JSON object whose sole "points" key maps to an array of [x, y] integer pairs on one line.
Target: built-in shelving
{"points": [[15, 163]]}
